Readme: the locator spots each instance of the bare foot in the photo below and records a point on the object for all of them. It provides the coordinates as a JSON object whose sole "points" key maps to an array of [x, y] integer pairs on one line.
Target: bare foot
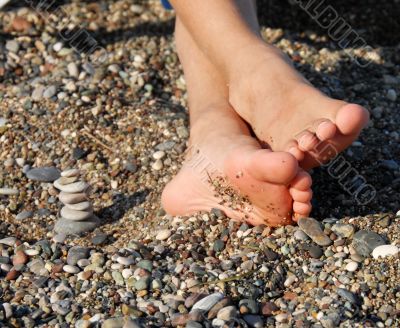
{"points": [[286, 112], [226, 167], [233, 173]]}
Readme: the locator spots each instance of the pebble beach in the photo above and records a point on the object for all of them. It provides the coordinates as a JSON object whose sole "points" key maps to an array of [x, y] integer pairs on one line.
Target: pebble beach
{"points": [[87, 147]]}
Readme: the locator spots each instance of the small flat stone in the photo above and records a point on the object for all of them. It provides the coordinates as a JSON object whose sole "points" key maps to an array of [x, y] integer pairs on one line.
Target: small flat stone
{"points": [[74, 215], [67, 180], [59, 238], [76, 187], [146, 265], [99, 239], [269, 308], [125, 260], [352, 298], [227, 313], [315, 251], [71, 269], [9, 191], [118, 278], [20, 258], [312, 228], [254, 321], [37, 93], [9, 241], [300, 235], [143, 283], [384, 251], [218, 245], [163, 234], [207, 302], [351, 266], [70, 173], [43, 174], [73, 69], [70, 227], [343, 230], [77, 253], [12, 46], [82, 206], [68, 198], [365, 242], [24, 215], [50, 92]]}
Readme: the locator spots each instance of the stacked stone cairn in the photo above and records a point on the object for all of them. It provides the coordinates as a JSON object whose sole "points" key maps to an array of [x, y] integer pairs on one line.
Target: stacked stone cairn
{"points": [[77, 213]]}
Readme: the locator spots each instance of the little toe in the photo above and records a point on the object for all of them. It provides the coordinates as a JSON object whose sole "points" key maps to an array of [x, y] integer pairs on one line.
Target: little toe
{"points": [[307, 141], [302, 181], [293, 148], [325, 130], [351, 118], [302, 208], [302, 196], [273, 167]]}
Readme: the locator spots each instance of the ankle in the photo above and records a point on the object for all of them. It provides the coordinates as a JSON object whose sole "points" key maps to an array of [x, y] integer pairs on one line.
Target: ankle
{"points": [[249, 58]]}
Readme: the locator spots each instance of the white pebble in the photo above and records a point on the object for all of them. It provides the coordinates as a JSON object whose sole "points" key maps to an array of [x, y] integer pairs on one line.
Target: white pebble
{"points": [[289, 280], [71, 269], [126, 273], [351, 266], [125, 260], [385, 250], [157, 165], [158, 154], [10, 191], [31, 252], [163, 234]]}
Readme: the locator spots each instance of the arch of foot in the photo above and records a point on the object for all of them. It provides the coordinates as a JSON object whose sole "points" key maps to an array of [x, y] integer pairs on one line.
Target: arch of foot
{"points": [[77, 213]]}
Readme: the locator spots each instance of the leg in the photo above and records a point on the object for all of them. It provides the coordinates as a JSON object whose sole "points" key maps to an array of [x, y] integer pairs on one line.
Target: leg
{"points": [[264, 88], [248, 183]]}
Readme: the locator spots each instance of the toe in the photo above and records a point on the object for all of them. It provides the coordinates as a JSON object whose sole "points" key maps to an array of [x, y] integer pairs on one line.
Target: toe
{"points": [[351, 119], [302, 208], [307, 141], [325, 130], [274, 167], [302, 181], [293, 148], [303, 196]]}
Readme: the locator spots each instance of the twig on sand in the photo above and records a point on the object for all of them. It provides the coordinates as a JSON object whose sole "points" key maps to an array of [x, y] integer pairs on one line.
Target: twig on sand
{"points": [[101, 143]]}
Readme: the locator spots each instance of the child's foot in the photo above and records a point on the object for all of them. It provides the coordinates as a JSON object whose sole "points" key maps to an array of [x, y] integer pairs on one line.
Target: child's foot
{"points": [[289, 114], [231, 172], [226, 168]]}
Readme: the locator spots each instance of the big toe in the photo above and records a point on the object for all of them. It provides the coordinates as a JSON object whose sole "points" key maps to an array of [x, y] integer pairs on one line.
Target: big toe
{"points": [[351, 118], [273, 167]]}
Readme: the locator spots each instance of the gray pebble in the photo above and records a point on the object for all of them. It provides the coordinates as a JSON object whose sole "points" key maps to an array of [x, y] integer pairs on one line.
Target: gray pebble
{"points": [[313, 229], [255, 321], [43, 174], [12, 46], [74, 215], [77, 253], [68, 198], [50, 92], [70, 227], [207, 302], [24, 215], [365, 242], [76, 187]]}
